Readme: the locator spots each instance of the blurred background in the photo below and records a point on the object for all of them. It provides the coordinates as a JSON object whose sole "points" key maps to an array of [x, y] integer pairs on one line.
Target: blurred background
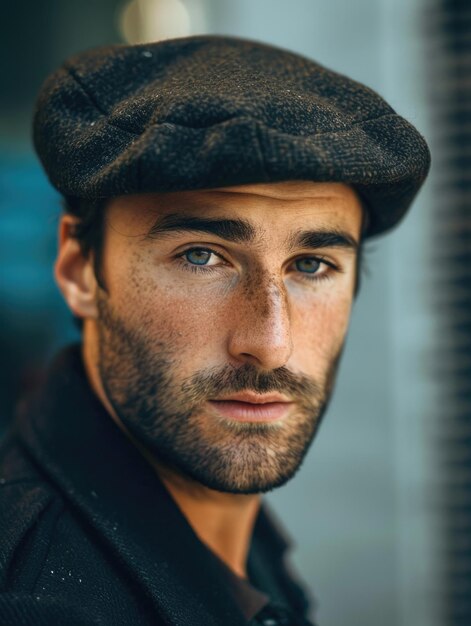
{"points": [[381, 511]]}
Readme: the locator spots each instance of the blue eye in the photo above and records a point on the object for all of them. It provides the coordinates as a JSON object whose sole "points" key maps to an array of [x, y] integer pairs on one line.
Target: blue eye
{"points": [[308, 265], [198, 256]]}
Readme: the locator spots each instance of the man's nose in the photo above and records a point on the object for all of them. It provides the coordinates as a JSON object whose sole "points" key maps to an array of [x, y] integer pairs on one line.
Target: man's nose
{"points": [[261, 327]]}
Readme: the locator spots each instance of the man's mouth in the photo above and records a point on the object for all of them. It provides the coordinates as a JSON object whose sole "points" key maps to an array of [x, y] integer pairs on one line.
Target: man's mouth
{"points": [[251, 407]]}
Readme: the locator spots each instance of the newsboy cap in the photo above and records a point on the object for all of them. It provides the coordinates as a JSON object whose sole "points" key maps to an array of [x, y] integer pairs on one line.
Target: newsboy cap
{"points": [[212, 111]]}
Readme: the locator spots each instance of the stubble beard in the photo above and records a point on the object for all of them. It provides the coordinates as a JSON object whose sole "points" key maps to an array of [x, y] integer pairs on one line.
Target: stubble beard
{"points": [[168, 417]]}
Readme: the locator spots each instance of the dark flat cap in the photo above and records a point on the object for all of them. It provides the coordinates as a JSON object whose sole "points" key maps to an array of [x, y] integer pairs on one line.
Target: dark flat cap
{"points": [[213, 111]]}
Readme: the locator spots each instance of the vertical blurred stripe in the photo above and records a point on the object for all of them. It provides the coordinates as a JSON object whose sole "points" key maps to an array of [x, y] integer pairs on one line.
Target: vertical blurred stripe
{"points": [[449, 27]]}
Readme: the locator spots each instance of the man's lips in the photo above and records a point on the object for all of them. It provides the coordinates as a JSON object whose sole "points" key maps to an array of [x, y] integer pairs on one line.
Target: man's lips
{"points": [[247, 407]]}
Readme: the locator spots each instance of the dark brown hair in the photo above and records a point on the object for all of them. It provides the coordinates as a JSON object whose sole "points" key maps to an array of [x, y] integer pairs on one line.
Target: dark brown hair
{"points": [[89, 229]]}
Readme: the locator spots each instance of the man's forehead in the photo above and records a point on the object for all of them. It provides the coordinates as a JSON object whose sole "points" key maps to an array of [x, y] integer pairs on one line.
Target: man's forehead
{"points": [[318, 199], [293, 189]]}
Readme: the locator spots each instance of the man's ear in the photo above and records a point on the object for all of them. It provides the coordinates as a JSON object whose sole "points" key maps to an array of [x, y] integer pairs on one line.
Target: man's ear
{"points": [[74, 273]]}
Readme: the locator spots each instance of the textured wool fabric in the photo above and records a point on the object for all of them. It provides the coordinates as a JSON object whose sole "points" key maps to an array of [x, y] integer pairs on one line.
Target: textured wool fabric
{"points": [[212, 111]]}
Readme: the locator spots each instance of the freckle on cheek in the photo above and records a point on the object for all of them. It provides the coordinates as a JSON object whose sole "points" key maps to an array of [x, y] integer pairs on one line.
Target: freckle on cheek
{"points": [[164, 310], [132, 284]]}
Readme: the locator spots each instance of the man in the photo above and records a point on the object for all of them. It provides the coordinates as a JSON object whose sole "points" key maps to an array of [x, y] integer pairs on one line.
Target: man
{"points": [[217, 192]]}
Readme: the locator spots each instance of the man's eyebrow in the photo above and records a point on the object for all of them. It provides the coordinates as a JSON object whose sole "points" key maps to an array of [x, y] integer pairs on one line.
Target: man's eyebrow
{"points": [[242, 231], [331, 238], [237, 231]]}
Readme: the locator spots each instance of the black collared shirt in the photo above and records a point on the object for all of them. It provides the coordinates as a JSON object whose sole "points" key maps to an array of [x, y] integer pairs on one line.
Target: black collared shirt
{"points": [[89, 534]]}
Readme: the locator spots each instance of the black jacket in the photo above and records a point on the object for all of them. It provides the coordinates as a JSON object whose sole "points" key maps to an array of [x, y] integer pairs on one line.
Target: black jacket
{"points": [[89, 535]]}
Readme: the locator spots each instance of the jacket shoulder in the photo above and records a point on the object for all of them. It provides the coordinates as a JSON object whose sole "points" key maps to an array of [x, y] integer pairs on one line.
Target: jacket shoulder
{"points": [[25, 499]]}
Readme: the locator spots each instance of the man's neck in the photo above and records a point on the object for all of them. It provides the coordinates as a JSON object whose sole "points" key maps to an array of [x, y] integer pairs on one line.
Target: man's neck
{"points": [[223, 521]]}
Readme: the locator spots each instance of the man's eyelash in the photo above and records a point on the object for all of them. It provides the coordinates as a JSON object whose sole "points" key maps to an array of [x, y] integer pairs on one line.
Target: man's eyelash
{"points": [[198, 269]]}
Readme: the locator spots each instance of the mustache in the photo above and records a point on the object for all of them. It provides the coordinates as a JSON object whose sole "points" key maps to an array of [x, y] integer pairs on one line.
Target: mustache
{"points": [[248, 378]]}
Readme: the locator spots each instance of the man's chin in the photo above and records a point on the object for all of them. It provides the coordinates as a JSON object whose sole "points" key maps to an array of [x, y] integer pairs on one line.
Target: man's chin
{"points": [[248, 482], [253, 488]]}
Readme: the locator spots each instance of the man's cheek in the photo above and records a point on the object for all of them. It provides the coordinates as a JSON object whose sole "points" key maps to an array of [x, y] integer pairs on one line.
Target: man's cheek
{"points": [[319, 338], [183, 326]]}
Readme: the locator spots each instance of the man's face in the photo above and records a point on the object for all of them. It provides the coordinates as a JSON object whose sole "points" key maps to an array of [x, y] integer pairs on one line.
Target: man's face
{"points": [[219, 299]]}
